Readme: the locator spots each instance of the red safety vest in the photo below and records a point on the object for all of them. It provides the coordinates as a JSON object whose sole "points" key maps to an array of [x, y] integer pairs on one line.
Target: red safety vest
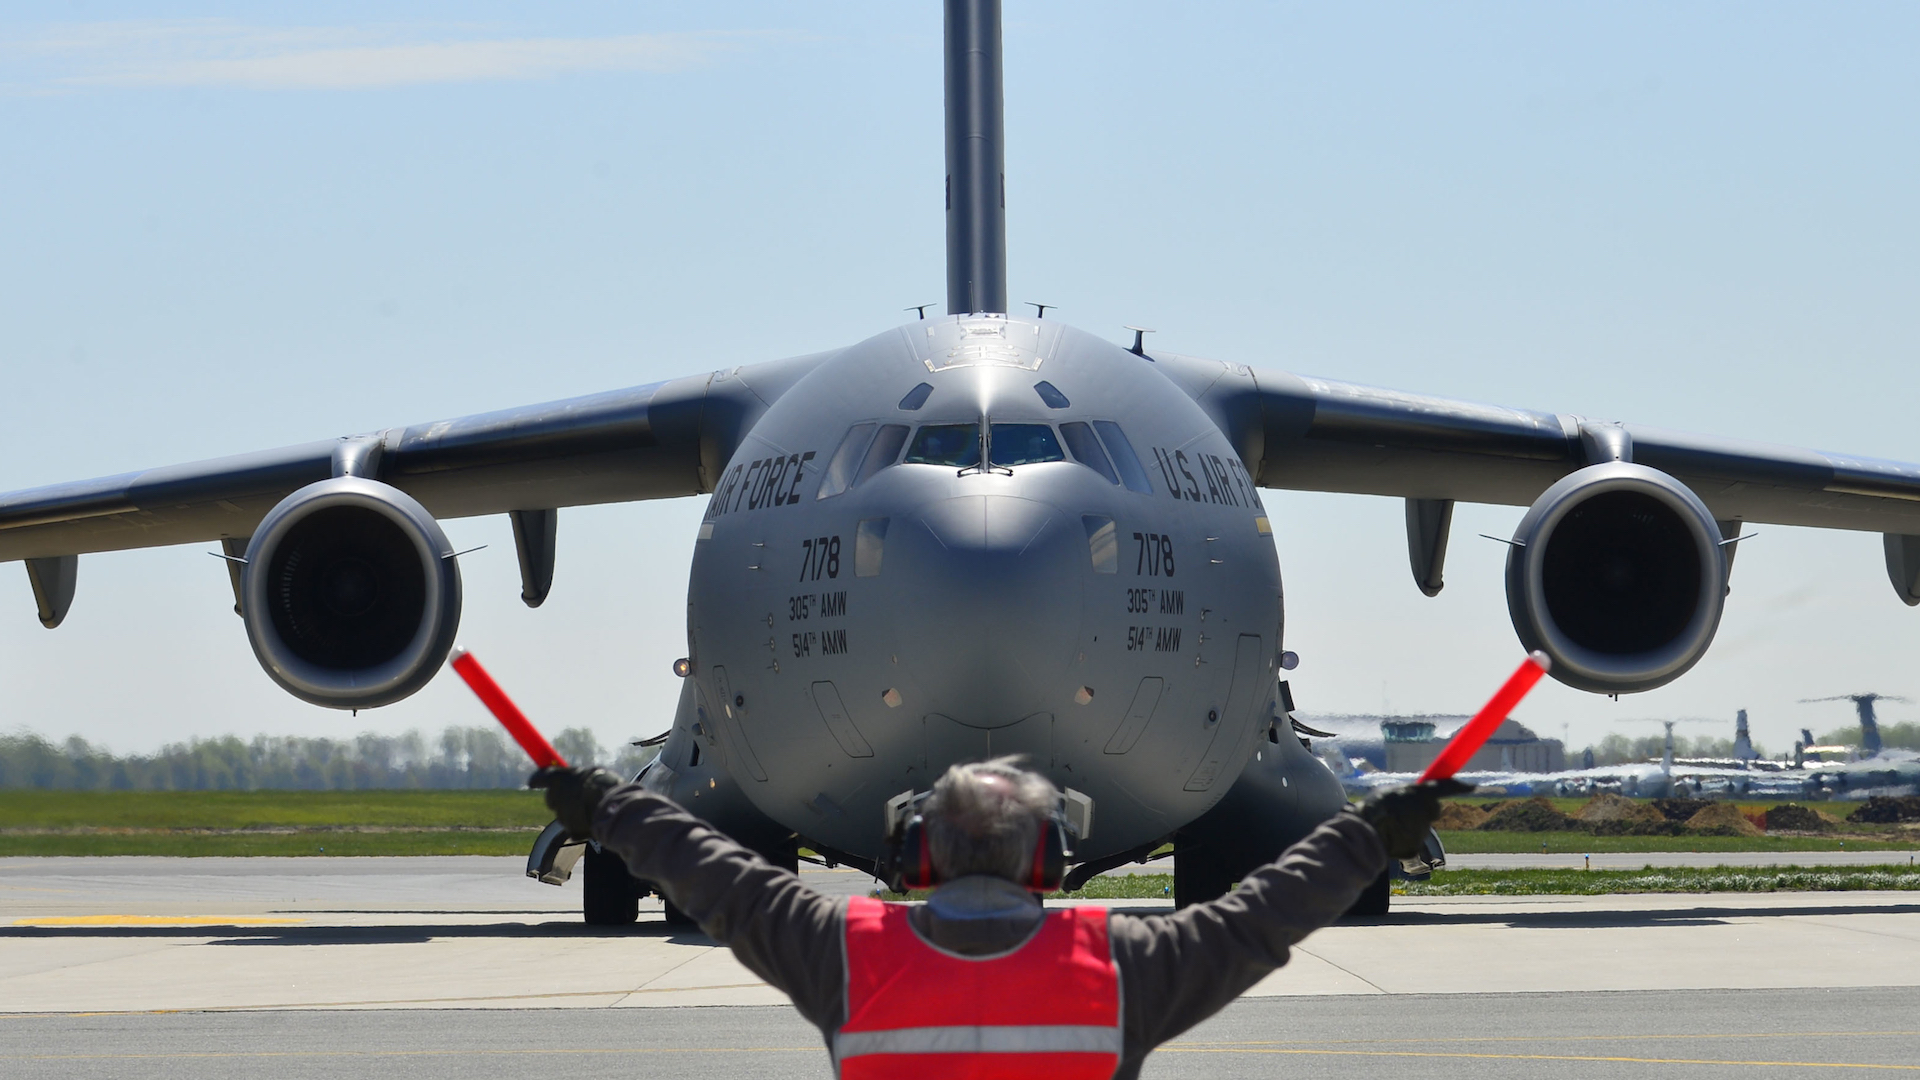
{"points": [[1049, 1008]]}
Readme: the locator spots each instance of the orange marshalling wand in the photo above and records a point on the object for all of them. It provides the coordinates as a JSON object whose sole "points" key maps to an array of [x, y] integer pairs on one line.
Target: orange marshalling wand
{"points": [[1479, 729], [505, 711]]}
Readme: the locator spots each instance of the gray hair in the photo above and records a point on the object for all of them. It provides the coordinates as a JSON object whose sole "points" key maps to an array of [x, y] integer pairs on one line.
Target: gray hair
{"points": [[984, 817]]}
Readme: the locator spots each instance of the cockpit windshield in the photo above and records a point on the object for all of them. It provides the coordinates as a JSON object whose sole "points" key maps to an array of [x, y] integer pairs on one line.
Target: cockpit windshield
{"points": [[957, 445], [1024, 444]]}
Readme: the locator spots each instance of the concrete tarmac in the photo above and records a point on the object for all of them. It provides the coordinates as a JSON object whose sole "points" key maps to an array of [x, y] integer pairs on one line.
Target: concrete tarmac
{"points": [[352, 967], [1709, 1034]]}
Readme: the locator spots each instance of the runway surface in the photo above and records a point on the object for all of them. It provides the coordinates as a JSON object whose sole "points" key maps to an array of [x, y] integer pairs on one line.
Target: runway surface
{"points": [[355, 967], [1761, 1034]]}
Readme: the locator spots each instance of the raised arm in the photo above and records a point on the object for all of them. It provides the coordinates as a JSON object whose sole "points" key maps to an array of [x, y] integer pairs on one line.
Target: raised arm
{"points": [[780, 929]]}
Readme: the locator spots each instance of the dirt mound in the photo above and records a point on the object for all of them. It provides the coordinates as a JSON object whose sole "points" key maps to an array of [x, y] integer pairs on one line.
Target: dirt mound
{"points": [[1880, 810], [1529, 815], [1659, 826], [1792, 817], [1681, 809], [1609, 807], [1456, 815], [1721, 819], [1615, 815]]}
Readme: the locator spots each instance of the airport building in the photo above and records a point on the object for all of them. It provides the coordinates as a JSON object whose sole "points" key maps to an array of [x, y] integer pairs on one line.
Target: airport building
{"points": [[1412, 742]]}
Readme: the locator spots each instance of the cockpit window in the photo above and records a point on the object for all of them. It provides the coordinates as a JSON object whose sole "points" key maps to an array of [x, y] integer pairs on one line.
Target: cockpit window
{"points": [[946, 444], [884, 451], [840, 468], [1051, 394], [1132, 473], [1086, 449], [1024, 444], [916, 397]]}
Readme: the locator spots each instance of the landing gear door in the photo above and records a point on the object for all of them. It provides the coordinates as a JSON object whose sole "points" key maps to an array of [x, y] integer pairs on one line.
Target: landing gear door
{"points": [[554, 855]]}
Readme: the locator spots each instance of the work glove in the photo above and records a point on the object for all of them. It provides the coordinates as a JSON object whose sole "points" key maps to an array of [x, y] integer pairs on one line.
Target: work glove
{"points": [[1402, 815], [574, 795]]}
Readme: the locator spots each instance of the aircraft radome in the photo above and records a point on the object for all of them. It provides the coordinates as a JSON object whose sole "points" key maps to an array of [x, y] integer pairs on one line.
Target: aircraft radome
{"points": [[977, 533]]}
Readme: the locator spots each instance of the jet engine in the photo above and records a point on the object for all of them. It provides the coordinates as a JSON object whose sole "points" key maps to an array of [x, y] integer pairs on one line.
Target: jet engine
{"points": [[1618, 574], [351, 594]]}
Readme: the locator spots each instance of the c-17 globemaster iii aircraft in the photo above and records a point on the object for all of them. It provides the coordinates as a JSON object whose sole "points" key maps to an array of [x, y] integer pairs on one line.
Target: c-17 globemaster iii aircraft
{"points": [[977, 534]]}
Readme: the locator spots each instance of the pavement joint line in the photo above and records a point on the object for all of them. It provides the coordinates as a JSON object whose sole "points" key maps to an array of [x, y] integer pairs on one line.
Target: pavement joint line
{"points": [[302, 1006], [1862, 930], [1342, 970], [1180, 1049], [647, 987]]}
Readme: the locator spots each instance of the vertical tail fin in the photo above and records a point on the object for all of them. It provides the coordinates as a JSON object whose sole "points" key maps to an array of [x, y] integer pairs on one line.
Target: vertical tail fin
{"points": [[976, 159], [1869, 725], [1742, 739]]}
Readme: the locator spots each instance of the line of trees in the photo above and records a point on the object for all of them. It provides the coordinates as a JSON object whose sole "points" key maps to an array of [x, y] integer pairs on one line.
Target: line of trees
{"points": [[1618, 749], [1906, 736], [460, 757]]}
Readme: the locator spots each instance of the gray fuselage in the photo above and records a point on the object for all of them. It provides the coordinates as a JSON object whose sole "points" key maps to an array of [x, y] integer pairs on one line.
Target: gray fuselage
{"points": [[1117, 624]]}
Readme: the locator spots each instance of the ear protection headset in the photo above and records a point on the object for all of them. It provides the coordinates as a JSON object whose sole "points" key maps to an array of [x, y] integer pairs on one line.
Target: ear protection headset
{"points": [[909, 861]]}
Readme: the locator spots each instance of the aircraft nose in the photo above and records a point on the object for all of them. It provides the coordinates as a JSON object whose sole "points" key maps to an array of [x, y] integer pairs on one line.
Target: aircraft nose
{"points": [[988, 605]]}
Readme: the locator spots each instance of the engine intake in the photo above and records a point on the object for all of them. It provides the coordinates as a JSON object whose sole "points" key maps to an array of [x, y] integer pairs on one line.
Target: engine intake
{"points": [[351, 594], [1617, 573]]}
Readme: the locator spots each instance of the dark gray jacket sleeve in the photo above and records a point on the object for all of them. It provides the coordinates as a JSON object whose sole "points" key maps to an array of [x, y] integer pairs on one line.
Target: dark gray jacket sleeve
{"points": [[1176, 970], [779, 929]]}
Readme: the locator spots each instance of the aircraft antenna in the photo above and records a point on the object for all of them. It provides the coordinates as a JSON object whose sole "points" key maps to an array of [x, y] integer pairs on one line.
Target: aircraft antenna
{"points": [[976, 160]]}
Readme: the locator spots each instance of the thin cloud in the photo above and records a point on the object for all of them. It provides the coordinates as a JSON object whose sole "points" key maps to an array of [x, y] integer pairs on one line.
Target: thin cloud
{"points": [[224, 53]]}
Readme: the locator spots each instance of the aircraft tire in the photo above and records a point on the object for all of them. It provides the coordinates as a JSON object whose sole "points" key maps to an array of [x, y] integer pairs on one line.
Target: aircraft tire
{"points": [[1199, 875], [609, 896], [1374, 899]]}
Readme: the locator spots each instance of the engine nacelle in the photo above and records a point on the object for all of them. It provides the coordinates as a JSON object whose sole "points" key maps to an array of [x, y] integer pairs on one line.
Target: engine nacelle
{"points": [[351, 594], [1618, 574]]}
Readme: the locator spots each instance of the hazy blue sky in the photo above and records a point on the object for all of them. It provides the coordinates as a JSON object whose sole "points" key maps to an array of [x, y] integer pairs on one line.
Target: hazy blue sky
{"points": [[224, 226]]}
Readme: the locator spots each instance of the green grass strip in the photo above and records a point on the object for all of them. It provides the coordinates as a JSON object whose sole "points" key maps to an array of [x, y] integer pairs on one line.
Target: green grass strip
{"points": [[1475, 842], [1708, 879], [484, 808]]}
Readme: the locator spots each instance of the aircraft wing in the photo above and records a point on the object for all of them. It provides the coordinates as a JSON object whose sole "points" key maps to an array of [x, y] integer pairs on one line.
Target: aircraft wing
{"points": [[647, 442], [1322, 435]]}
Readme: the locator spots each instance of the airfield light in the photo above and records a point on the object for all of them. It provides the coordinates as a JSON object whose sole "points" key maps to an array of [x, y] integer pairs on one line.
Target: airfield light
{"points": [[1461, 748], [505, 711]]}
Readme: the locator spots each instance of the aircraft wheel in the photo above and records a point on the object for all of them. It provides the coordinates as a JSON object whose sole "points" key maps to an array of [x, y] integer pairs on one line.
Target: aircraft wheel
{"points": [[1198, 876], [609, 896], [1373, 900]]}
